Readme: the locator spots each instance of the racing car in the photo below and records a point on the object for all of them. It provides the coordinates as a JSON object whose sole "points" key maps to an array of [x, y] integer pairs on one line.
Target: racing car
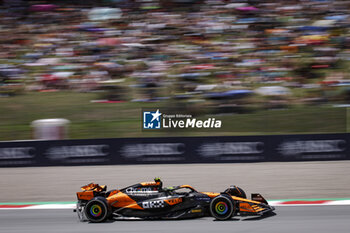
{"points": [[149, 200]]}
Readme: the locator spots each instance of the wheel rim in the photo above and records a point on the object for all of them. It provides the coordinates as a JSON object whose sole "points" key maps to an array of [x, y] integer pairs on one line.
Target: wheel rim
{"points": [[221, 208], [95, 211]]}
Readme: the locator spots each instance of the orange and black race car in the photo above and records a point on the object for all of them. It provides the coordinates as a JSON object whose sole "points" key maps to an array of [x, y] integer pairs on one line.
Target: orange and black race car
{"points": [[150, 200]]}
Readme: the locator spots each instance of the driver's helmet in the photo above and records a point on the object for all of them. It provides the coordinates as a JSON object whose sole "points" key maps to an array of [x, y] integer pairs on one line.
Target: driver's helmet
{"points": [[158, 182]]}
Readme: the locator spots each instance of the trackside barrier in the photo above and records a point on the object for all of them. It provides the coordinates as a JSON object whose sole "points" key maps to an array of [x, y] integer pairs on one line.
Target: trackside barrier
{"points": [[310, 147]]}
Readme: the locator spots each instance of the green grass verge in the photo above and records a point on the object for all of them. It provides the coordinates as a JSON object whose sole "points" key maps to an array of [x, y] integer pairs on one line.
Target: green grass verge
{"points": [[99, 120]]}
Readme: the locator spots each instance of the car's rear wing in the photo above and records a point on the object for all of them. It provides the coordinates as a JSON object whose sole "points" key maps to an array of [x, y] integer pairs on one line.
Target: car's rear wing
{"points": [[94, 187], [90, 191]]}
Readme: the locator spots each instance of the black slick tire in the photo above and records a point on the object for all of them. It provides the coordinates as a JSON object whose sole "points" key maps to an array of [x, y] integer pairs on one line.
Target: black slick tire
{"points": [[222, 207], [96, 210]]}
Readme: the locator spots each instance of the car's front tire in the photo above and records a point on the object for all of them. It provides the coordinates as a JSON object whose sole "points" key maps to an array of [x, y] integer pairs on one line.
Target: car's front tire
{"points": [[222, 207], [96, 210]]}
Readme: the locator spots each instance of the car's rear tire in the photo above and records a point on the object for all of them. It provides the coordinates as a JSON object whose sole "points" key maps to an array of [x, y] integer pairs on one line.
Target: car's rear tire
{"points": [[96, 210], [222, 207]]}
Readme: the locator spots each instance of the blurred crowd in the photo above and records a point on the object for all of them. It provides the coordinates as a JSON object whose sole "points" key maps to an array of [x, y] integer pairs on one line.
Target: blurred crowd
{"points": [[147, 50]]}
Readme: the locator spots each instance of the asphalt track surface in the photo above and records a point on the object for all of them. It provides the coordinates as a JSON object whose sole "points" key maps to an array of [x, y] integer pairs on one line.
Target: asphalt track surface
{"points": [[286, 180], [300, 219]]}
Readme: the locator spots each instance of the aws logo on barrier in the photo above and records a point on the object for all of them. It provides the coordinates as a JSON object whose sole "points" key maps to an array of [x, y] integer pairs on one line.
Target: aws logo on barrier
{"points": [[151, 120]]}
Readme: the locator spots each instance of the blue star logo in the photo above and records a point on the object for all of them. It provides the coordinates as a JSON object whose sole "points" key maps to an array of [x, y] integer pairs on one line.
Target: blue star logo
{"points": [[151, 120]]}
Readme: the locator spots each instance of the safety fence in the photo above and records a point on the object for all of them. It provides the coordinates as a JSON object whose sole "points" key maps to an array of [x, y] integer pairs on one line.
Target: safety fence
{"points": [[302, 147]]}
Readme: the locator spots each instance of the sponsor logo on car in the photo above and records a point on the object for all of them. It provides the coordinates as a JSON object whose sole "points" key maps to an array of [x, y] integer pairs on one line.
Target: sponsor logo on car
{"points": [[196, 211], [142, 189], [153, 204], [174, 201]]}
